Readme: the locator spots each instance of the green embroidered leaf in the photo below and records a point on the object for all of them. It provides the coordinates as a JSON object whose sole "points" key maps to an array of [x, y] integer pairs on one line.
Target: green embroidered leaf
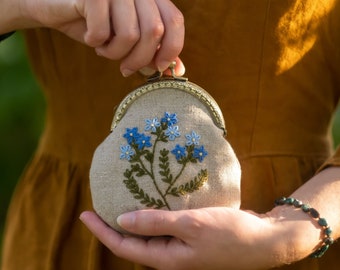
{"points": [[182, 161], [193, 160], [139, 194], [160, 133], [174, 192], [138, 170], [164, 154], [164, 166], [191, 186], [163, 138], [149, 156], [128, 173], [135, 158]]}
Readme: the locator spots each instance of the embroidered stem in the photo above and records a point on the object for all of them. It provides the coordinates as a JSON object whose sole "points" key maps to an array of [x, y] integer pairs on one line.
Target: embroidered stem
{"points": [[144, 168], [175, 179], [158, 138], [151, 174]]}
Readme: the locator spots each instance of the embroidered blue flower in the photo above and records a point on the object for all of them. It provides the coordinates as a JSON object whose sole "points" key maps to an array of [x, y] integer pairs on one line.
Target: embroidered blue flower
{"points": [[192, 138], [200, 153], [169, 118], [172, 132], [143, 141], [152, 124], [131, 135], [126, 152], [179, 152]]}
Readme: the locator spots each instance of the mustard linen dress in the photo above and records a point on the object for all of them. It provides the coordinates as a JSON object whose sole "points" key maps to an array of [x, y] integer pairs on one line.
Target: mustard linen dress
{"points": [[272, 65]]}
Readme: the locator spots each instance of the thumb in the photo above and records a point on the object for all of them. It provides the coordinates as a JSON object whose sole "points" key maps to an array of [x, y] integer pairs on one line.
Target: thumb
{"points": [[153, 223], [150, 70]]}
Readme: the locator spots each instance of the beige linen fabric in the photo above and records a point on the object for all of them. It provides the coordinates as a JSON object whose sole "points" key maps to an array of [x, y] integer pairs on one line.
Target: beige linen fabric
{"points": [[166, 152]]}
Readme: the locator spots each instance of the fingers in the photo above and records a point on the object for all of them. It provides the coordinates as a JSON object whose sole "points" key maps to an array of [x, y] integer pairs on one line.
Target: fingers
{"points": [[151, 34], [179, 69], [102, 231], [173, 39], [153, 252], [125, 30], [180, 224], [143, 33], [97, 14], [117, 243], [140, 33]]}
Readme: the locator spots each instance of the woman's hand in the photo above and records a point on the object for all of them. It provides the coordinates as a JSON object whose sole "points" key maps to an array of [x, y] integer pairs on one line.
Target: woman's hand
{"points": [[208, 238], [140, 33], [224, 238]]}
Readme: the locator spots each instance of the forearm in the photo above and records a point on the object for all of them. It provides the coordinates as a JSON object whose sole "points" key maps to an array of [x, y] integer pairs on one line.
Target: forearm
{"points": [[14, 15], [302, 234]]}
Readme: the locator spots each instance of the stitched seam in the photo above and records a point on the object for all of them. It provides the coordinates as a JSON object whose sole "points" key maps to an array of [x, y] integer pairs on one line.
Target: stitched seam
{"points": [[259, 88]]}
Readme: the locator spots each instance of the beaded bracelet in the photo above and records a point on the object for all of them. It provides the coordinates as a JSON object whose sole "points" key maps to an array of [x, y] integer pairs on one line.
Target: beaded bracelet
{"points": [[327, 239]]}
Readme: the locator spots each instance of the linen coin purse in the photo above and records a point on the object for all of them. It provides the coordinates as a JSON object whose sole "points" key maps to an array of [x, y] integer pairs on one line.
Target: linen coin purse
{"points": [[166, 150]]}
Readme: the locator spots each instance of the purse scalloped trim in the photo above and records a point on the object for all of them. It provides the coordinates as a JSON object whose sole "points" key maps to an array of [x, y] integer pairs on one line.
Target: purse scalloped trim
{"points": [[166, 83]]}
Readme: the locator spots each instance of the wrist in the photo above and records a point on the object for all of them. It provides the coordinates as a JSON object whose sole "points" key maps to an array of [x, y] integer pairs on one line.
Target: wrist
{"points": [[299, 234]]}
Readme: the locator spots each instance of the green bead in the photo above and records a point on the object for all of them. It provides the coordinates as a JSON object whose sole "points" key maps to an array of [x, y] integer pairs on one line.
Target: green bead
{"points": [[297, 203], [280, 201], [314, 213], [319, 252], [322, 222], [329, 241], [305, 208], [290, 201], [328, 231]]}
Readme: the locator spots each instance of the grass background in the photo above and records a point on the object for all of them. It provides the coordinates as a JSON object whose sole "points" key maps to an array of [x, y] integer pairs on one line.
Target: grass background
{"points": [[22, 109]]}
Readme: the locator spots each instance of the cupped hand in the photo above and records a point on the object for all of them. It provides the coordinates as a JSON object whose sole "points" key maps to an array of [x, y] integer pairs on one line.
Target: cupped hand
{"points": [[140, 33], [208, 238]]}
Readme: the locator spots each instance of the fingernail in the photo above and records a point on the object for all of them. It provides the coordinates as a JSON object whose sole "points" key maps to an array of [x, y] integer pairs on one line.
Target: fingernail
{"points": [[127, 72], [146, 71], [126, 220], [83, 215], [181, 70], [163, 66]]}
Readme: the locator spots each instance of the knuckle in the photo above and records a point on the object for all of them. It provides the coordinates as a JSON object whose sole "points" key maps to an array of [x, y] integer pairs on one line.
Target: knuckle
{"points": [[130, 36], [94, 39], [192, 225], [157, 30]]}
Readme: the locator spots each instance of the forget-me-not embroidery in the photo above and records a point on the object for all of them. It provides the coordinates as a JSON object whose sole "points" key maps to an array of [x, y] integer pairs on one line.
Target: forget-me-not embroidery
{"points": [[143, 157]]}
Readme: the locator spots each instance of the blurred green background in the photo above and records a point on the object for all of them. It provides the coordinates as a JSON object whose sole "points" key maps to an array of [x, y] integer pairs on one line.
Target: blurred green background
{"points": [[22, 109], [21, 117]]}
